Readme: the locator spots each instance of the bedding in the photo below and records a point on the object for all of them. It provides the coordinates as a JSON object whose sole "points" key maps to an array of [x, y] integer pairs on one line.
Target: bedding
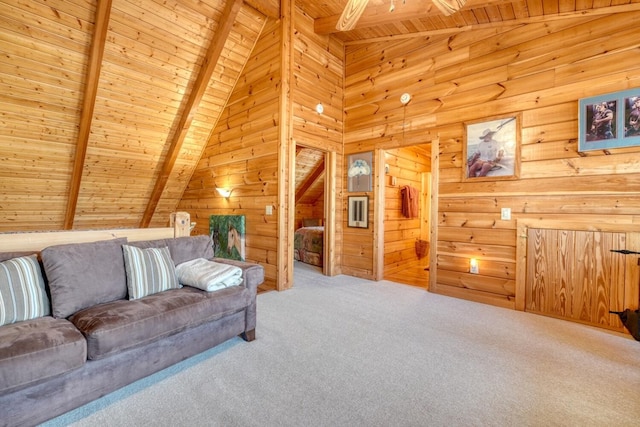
{"points": [[307, 245]]}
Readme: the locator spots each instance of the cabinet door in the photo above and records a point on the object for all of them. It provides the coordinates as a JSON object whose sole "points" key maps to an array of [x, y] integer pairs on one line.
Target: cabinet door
{"points": [[575, 275]]}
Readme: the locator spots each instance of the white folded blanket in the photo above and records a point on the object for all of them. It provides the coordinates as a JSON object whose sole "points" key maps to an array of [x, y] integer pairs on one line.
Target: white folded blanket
{"points": [[208, 275]]}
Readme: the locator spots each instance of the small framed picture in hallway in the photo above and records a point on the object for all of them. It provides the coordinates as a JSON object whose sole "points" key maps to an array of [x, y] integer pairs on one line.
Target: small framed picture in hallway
{"points": [[358, 211]]}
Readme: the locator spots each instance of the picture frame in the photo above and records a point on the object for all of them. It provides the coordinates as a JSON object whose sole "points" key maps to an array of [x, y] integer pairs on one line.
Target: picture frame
{"points": [[491, 149], [228, 236], [358, 211], [609, 121], [360, 172]]}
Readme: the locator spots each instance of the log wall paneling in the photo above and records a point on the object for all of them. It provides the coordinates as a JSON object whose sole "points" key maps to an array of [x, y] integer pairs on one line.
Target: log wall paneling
{"points": [[318, 75], [242, 155], [533, 69]]}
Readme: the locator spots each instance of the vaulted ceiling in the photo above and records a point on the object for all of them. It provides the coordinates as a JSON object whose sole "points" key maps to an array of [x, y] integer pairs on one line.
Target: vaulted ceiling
{"points": [[107, 105]]}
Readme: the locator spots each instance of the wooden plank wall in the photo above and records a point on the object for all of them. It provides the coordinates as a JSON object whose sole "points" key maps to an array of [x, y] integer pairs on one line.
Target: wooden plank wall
{"points": [[376, 75], [318, 70], [406, 166], [242, 153], [540, 70], [242, 156], [304, 210]]}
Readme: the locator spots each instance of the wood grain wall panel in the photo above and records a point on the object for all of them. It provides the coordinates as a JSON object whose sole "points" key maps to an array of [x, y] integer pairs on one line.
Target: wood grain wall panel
{"points": [[574, 275], [540, 70], [318, 74], [241, 155]]}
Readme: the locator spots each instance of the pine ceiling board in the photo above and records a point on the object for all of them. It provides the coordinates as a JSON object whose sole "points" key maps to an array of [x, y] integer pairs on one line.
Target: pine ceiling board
{"points": [[506, 12], [238, 46], [148, 71], [55, 33], [43, 58]]}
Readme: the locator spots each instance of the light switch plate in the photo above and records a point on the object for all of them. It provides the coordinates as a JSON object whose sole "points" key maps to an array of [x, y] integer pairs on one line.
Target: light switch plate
{"points": [[268, 210], [505, 214]]}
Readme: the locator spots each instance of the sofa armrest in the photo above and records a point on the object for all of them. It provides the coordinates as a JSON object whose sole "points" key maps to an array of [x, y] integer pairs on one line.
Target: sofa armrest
{"points": [[253, 274]]}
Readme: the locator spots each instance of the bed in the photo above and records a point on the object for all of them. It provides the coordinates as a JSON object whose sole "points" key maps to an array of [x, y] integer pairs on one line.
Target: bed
{"points": [[308, 241]]}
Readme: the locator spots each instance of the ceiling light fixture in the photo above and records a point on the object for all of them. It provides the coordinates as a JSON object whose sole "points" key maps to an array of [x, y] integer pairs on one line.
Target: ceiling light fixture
{"points": [[319, 109]]}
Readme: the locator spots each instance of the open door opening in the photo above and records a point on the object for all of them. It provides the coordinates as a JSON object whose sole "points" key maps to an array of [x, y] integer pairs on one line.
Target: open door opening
{"points": [[407, 214], [312, 226]]}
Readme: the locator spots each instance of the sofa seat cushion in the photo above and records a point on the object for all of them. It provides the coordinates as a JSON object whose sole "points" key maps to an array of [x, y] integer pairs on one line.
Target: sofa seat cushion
{"points": [[120, 325], [36, 350]]}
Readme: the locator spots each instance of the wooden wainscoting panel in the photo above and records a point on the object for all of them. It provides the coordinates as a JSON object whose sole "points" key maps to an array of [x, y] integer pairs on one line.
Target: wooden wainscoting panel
{"points": [[574, 274]]}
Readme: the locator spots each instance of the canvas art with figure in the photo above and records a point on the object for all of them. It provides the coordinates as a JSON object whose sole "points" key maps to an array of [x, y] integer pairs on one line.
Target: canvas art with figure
{"points": [[491, 149], [228, 236]]}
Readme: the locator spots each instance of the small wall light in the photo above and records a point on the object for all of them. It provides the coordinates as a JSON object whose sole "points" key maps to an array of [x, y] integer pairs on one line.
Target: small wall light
{"points": [[473, 266], [224, 192], [319, 108]]}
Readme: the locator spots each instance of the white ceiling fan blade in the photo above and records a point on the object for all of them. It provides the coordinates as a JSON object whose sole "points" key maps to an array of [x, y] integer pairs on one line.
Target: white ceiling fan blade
{"points": [[350, 15], [449, 7]]}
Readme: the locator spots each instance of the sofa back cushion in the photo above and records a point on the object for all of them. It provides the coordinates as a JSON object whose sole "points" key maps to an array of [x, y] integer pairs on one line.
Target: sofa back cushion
{"points": [[81, 275], [22, 292], [182, 248]]}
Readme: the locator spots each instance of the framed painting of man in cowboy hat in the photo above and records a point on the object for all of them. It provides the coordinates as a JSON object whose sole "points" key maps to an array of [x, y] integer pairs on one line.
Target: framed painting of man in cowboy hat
{"points": [[491, 149]]}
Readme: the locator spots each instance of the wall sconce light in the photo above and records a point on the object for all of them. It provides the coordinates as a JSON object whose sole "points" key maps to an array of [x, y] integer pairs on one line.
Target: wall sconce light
{"points": [[473, 266], [224, 192]]}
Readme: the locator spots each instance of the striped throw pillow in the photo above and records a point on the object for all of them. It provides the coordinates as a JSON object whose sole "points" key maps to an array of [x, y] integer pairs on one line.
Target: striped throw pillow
{"points": [[22, 293], [149, 271]]}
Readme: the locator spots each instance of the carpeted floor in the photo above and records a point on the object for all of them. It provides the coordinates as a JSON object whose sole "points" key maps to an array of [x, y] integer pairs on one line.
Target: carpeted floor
{"points": [[343, 351]]}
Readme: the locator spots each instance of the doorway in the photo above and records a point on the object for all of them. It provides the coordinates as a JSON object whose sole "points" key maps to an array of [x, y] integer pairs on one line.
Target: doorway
{"points": [[406, 233], [312, 227]]}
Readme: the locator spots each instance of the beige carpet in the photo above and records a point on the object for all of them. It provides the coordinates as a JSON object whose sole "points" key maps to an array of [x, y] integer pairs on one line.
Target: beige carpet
{"points": [[348, 352]]}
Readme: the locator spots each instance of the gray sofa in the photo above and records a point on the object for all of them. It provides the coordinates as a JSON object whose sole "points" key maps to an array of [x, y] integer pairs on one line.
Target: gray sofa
{"points": [[92, 339]]}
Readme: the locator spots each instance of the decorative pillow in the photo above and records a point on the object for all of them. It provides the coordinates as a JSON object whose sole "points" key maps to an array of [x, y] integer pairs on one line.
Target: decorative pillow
{"points": [[22, 293], [82, 275], [149, 271], [208, 275]]}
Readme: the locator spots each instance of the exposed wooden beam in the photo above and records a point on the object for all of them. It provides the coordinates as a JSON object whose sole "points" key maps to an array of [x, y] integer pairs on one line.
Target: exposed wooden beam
{"points": [[286, 151], [379, 15], [231, 10], [103, 13], [313, 177]]}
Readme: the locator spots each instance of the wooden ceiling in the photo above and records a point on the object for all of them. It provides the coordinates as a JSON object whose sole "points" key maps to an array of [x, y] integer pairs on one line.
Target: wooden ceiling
{"points": [[107, 105], [412, 17]]}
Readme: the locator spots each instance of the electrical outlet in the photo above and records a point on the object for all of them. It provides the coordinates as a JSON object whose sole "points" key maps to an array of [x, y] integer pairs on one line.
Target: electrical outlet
{"points": [[505, 214], [268, 210], [473, 266]]}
